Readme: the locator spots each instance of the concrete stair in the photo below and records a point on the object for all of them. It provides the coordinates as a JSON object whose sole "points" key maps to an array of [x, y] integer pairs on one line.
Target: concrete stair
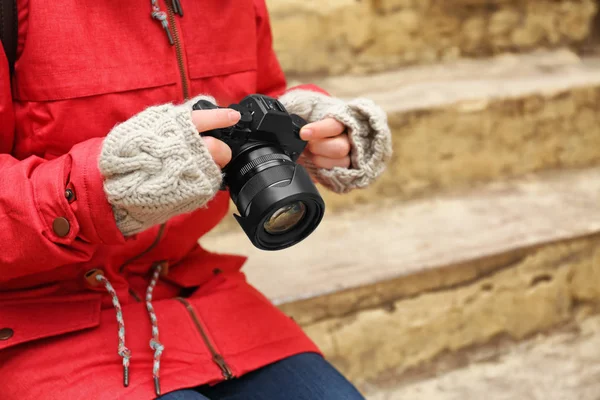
{"points": [[478, 252]]}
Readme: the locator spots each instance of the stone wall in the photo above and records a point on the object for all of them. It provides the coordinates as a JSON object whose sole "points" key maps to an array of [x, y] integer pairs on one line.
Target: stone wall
{"points": [[358, 36]]}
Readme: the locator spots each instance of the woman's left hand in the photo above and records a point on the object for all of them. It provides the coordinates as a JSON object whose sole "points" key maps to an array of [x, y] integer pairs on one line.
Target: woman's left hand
{"points": [[328, 144]]}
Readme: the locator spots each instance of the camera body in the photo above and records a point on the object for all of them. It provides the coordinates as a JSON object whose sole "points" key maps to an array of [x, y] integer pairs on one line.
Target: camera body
{"points": [[277, 201], [263, 120]]}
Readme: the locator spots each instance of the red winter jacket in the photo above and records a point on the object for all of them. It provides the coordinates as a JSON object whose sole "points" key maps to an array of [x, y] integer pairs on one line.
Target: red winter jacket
{"points": [[84, 66]]}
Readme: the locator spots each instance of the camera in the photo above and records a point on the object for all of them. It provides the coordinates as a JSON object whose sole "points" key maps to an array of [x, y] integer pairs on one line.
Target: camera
{"points": [[278, 203]]}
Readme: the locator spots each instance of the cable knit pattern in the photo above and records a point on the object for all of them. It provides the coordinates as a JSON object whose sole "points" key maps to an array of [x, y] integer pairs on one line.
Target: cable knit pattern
{"points": [[156, 166], [368, 130]]}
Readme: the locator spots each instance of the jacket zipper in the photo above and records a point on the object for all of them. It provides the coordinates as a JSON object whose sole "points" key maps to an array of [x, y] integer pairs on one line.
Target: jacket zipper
{"points": [[161, 232], [217, 358], [178, 50], [185, 87]]}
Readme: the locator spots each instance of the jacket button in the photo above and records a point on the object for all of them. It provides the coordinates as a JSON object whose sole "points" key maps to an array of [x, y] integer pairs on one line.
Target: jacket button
{"points": [[91, 275], [61, 226], [6, 333], [70, 195]]}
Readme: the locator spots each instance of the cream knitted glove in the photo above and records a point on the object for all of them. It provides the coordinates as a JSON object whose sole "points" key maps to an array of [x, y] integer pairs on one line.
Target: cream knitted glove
{"points": [[156, 166], [368, 131]]}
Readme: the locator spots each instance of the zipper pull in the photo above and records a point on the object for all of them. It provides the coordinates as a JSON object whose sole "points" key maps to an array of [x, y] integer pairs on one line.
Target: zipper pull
{"points": [[177, 9], [218, 359]]}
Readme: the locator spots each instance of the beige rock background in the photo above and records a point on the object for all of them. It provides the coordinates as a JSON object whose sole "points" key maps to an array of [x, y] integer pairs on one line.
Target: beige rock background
{"points": [[542, 289], [357, 36], [560, 365]]}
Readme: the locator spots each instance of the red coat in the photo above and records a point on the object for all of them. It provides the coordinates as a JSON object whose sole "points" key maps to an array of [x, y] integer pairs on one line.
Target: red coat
{"points": [[85, 65]]}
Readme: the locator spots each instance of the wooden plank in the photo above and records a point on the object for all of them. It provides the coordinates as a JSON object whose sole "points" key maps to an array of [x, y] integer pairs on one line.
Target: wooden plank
{"points": [[374, 244]]}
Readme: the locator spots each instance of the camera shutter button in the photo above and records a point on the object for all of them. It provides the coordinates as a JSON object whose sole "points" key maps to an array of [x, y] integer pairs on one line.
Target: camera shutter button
{"points": [[245, 120]]}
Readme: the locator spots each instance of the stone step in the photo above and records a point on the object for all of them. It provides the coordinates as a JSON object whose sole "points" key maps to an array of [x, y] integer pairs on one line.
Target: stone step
{"points": [[349, 36], [465, 123], [557, 366], [471, 122], [386, 289]]}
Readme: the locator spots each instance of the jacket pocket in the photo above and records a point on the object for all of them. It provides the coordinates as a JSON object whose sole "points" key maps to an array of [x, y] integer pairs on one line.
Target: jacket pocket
{"points": [[96, 68], [202, 268], [26, 320], [222, 60]]}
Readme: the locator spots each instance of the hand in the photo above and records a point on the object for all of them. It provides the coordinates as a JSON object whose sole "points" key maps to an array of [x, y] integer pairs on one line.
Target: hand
{"points": [[328, 144], [206, 120]]}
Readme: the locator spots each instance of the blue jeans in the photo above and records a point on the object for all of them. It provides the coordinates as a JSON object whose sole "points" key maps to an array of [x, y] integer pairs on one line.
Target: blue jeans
{"points": [[302, 377]]}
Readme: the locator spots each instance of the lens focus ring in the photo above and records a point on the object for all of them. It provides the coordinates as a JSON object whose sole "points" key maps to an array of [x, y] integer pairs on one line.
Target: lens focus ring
{"points": [[263, 159]]}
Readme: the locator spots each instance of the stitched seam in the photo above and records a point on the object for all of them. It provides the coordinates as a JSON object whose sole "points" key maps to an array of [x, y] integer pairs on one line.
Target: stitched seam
{"points": [[37, 204], [88, 197], [263, 345], [66, 209]]}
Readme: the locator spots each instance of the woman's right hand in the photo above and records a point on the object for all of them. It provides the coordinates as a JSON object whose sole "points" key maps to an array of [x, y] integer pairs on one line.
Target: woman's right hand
{"points": [[206, 120], [156, 165]]}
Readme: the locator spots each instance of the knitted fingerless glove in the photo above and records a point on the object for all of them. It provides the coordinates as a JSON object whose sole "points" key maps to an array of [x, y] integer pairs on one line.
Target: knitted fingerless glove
{"points": [[156, 166], [368, 131]]}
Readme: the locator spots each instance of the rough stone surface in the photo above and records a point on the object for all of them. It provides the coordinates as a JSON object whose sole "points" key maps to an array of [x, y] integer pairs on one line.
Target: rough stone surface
{"points": [[373, 35], [541, 290], [559, 366], [453, 147], [470, 122]]}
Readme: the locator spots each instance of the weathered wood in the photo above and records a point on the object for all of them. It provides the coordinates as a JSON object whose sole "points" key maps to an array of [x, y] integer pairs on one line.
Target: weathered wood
{"points": [[371, 245]]}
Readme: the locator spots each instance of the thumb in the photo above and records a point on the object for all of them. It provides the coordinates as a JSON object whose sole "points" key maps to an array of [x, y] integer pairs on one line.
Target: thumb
{"points": [[219, 151]]}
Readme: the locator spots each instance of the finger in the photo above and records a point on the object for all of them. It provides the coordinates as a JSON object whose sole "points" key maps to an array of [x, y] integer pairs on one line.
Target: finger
{"points": [[336, 147], [206, 120], [219, 151], [325, 128], [329, 163]]}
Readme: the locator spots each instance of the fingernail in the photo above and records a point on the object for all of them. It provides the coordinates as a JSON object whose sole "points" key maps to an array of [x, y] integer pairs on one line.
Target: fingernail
{"points": [[306, 133], [234, 116]]}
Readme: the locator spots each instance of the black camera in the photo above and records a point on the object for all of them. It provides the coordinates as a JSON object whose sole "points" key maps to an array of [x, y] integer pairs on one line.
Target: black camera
{"points": [[278, 203]]}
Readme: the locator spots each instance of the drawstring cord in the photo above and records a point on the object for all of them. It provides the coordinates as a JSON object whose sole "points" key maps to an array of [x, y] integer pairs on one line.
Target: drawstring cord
{"points": [[161, 16], [123, 351], [155, 343]]}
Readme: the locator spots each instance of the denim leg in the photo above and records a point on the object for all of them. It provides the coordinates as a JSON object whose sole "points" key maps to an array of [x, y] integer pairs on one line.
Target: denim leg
{"points": [[302, 377], [185, 394]]}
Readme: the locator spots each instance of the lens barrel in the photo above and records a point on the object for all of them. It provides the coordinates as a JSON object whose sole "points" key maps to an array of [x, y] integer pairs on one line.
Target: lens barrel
{"points": [[266, 186]]}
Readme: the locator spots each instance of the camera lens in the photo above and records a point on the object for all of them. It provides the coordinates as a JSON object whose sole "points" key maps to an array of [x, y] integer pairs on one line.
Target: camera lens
{"points": [[277, 201], [286, 218]]}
